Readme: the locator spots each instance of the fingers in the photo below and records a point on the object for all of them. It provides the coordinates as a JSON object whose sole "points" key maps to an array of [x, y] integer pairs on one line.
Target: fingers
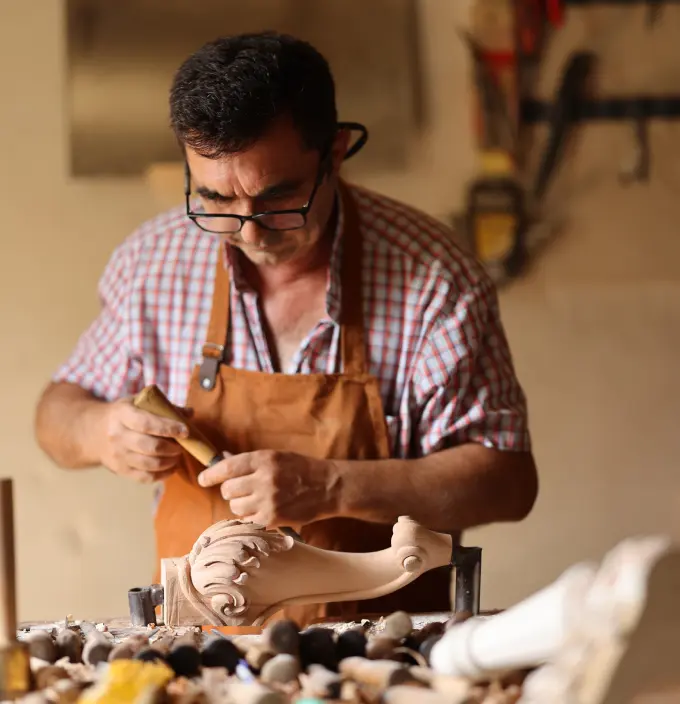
{"points": [[147, 477], [147, 453], [140, 445], [245, 507], [151, 445], [229, 468], [236, 488], [148, 463], [147, 423]]}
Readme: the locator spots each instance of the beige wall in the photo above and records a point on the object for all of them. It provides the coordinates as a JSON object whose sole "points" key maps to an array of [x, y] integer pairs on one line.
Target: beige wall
{"points": [[594, 329]]}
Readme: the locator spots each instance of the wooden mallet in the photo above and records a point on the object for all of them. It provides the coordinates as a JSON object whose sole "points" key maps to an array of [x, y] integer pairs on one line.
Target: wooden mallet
{"points": [[15, 671], [153, 400]]}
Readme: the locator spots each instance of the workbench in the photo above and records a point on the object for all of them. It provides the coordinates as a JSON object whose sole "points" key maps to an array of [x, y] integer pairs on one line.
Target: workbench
{"points": [[121, 628]]}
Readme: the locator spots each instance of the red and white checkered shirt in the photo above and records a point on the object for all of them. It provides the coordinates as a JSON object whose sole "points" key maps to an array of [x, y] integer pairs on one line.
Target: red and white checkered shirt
{"points": [[433, 333]]}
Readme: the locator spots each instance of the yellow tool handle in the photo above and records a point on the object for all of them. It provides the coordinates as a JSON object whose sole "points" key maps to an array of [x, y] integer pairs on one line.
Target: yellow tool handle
{"points": [[153, 400]]}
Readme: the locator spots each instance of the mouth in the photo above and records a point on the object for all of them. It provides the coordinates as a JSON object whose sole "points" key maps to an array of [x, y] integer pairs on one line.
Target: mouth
{"points": [[261, 246]]}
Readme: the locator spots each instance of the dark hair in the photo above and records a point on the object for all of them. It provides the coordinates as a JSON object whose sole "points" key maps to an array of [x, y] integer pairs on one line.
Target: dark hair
{"points": [[225, 96]]}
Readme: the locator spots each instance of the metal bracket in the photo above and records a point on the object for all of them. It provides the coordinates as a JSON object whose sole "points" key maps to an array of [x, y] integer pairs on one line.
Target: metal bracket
{"points": [[467, 562], [143, 602]]}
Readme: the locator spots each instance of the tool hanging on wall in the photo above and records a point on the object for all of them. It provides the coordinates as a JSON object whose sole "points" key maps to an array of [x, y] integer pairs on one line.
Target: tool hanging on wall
{"points": [[495, 209], [554, 10], [638, 110], [638, 167], [502, 212], [654, 8], [563, 116], [494, 218], [653, 12], [499, 210]]}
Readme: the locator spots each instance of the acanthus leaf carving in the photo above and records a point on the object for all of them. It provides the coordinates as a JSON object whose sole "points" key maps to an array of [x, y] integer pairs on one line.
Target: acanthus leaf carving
{"points": [[214, 573]]}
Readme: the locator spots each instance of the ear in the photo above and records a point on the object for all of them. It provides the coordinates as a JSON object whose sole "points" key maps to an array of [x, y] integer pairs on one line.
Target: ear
{"points": [[339, 149]]}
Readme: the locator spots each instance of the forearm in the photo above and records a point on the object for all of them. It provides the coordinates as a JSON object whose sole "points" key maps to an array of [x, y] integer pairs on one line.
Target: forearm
{"points": [[451, 490], [67, 425]]}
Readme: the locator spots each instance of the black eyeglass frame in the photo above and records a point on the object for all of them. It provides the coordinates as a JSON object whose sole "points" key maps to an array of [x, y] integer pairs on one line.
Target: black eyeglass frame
{"points": [[303, 211]]}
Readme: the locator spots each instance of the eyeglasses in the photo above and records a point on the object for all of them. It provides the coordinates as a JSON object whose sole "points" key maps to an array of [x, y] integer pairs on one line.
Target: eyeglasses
{"points": [[280, 220], [223, 223]]}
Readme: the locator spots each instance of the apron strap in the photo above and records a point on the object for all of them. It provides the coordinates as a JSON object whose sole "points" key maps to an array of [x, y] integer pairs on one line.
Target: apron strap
{"points": [[351, 314], [213, 349], [352, 326]]}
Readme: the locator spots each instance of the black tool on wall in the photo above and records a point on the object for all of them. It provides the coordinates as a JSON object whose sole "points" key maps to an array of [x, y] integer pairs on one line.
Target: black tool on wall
{"points": [[654, 7], [562, 115], [636, 110]]}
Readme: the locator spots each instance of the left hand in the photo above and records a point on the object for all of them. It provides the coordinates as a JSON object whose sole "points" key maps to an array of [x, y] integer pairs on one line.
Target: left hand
{"points": [[275, 488]]}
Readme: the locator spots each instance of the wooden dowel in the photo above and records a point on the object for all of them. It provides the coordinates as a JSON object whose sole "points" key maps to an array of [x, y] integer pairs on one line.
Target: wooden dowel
{"points": [[8, 597]]}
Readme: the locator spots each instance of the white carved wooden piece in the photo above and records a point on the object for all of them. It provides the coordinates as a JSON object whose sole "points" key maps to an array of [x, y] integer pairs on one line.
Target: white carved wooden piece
{"points": [[595, 636]]}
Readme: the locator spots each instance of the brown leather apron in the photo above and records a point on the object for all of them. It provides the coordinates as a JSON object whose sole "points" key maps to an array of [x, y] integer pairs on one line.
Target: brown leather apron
{"points": [[338, 416]]}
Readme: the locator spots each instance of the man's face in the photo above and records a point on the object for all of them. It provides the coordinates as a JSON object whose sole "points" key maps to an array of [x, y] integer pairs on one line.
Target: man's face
{"points": [[276, 173]]}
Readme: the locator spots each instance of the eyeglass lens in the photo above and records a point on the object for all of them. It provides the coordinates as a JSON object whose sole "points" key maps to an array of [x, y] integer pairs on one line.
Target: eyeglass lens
{"points": [[270, 221]]}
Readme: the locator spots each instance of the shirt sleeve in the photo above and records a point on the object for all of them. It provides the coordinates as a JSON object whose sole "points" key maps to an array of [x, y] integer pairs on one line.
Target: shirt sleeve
{"points": [[102, 361], [466, 388]]}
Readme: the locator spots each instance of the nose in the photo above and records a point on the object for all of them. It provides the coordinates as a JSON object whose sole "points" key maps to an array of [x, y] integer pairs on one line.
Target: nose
{"points": [[251, 234]]}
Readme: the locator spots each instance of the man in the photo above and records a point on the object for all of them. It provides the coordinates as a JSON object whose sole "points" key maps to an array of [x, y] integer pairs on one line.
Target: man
{"points": [[350, 360]]}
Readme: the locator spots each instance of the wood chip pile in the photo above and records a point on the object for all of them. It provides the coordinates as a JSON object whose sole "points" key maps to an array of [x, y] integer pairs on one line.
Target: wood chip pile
{"points": [[364, 663]]}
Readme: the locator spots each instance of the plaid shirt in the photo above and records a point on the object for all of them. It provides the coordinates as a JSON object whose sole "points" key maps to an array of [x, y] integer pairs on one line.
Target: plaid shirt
{"points": [[434, 338]]}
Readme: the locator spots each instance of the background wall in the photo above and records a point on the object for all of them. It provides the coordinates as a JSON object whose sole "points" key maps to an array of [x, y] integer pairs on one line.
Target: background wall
{"points": [[594, 328]]}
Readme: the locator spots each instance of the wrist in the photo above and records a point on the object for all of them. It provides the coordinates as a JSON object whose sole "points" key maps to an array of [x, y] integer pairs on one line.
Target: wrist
{"points": [[93, 422], [370, 490], [336, 481]]}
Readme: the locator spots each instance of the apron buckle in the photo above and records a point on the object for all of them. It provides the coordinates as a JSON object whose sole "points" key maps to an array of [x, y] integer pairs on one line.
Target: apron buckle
{"points": [[212, 357]]}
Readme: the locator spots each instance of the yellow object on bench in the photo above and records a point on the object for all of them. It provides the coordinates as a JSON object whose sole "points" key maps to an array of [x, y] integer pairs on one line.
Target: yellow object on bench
{"points": [[129, 681]]}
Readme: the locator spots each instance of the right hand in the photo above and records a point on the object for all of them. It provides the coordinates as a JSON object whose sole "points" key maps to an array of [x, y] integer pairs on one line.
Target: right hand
{"points": [[138, 444]]}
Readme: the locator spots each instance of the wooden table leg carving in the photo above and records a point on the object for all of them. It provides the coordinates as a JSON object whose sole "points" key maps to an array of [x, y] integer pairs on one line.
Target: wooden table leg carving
{"points": [[240, 573]]}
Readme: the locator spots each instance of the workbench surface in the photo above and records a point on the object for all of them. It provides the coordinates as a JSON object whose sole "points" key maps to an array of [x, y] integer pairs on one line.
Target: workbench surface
{"points": [[121, 628]]}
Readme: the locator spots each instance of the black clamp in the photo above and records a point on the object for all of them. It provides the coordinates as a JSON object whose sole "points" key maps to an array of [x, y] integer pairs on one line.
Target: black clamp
{"points": [[466, 588], [143, 602]]}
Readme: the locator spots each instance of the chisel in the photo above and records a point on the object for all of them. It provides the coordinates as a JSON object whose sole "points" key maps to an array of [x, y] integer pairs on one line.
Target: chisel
{"points": [[153, 400]]}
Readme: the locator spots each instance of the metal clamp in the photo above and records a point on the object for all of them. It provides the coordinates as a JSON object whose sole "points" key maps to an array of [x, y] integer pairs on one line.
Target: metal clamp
{"points": [[467, 585], [143, 602], [210, 365]]}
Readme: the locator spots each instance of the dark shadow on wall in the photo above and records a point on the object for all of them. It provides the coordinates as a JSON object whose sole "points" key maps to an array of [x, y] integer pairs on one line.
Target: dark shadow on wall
{"points": [[122, 55]]}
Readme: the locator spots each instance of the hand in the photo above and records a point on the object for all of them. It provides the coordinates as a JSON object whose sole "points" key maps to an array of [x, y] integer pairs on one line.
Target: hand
{"points": [[137, 444], [275, 488]]}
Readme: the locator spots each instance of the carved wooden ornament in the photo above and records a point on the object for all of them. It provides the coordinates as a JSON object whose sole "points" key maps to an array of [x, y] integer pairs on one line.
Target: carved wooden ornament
{"points": [[240, 573]]}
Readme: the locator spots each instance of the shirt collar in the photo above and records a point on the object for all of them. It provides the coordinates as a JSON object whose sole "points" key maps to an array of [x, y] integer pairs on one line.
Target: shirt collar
{"points": [[231, 259]]}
